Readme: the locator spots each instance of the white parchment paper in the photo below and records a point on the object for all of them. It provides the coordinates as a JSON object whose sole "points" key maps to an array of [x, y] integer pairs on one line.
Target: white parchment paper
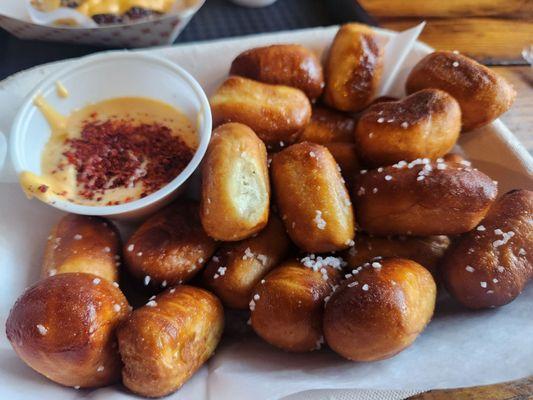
{"points": [[459, 347]]}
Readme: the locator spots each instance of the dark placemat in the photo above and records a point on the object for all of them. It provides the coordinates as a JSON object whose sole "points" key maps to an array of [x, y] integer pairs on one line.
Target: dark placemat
{"points": [[216, 19]]}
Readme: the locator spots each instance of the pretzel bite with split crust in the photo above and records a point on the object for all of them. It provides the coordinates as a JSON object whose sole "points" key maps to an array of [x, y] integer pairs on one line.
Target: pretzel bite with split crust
{"points": [[312, 199], [490, 265], [426, 251], [165, 342], [380, 310], [282, 64], [353, 68], [425, 124], [287, 306], [80, 243], [170, 247], [63, 327], [482, 94], [422, 198], [237, 267], [235, 184], [276, 113], [327, 126]]}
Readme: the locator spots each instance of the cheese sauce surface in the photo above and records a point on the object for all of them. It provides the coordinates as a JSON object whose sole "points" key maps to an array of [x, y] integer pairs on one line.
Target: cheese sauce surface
{"points": [[111, 152]]}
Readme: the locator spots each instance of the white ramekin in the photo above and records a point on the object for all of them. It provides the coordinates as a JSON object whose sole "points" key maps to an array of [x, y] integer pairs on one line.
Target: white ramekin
{"points": [[105, 76]]}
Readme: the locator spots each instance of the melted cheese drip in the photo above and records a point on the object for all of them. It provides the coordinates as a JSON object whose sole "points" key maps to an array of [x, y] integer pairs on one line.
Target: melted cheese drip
{"points": [[62, 182]]}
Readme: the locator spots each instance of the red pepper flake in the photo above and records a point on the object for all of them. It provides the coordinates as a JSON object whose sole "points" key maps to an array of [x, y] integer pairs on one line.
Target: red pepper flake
{"points": [[43, 188], [117, 153]]}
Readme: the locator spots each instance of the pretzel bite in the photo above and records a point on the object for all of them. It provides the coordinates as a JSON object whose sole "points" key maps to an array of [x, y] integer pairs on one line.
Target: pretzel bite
{"points": [[235, 184], [380, 310], [79, 243], [425, 124], [276, 113], [426, 251], [312, 199], [63, 328], [287, 306], [237, 267], [282, 64], [491, 265], [328, 125], [353, 68], [346, 157], [422, 198], [165, 342], [170, 247], [482, 94]]}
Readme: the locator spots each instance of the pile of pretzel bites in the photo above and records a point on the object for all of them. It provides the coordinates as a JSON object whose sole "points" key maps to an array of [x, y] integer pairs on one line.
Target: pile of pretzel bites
{"points": [[329, 215]]}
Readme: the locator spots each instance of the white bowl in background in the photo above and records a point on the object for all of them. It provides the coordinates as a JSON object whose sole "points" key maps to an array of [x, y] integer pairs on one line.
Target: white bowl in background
{"points": [[104, 76]]}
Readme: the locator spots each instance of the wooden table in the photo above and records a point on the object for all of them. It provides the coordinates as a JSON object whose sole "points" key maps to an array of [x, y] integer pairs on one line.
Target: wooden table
{"points": [[494, 32]]}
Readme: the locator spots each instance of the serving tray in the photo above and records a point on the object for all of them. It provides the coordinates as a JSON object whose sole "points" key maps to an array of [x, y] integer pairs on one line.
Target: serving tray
{"points": [[459, 347]]}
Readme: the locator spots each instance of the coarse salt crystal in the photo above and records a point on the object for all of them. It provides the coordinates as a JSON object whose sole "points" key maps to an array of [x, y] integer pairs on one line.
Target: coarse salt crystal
{"points": [[483, 284], [248, 254], [365, 287], [147, 280], [455, 64], [216, 259], [319, 221], [381, 120], [107, 249], [388, 177], [405, 125], [376, 265], [164, 283], [522, 252], [252, 305], [152, 303], [256, 297], [140, 253], [420, 178], [96, 281], [52, 272], [42, 330], [352, 284], [100, 368], [500, 268], [363, 171], [374, 190], [495, 280], [116, 307], [481, 228], [312, 154], [77, 236], [131, 247], [469, 268], [115, 284]]}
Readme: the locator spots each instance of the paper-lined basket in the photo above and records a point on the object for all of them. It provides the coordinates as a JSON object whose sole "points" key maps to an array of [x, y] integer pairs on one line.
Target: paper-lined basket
{"points": [[154, 32]]}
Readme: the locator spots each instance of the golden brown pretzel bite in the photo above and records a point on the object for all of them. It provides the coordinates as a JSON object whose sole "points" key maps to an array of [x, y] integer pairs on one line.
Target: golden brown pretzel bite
{"points": [[482, 94], [235, 184], [425, 124], [276, 113], [165, 342], [170, 247], [426, 251], [490, 265], [422, 198], [353, 68], [282, 64], [346, 157], [380, 310], [312, 199], [80, 243], [237, 267], [328, 125], [287, 306], [63, 327]]}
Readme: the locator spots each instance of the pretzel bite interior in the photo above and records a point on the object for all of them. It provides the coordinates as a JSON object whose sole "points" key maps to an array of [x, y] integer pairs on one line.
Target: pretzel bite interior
{"points": [[165, 342], [425, 124], [235, 184], [426, 251], [312, 198], [422, 198], [282, 64], [63, 327], [482, 94], [237, 267], [287, 306], [170, 247], [80, 243], [276, 113], [490, 265], [353, 68], [380, 310]]}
